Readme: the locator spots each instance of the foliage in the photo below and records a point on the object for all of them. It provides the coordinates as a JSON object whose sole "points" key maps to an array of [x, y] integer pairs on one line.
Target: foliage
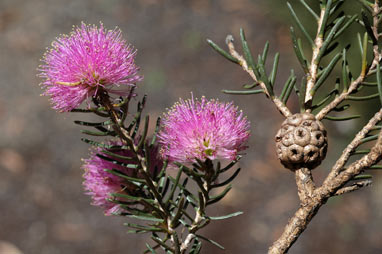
{"points": [[169, 195]]}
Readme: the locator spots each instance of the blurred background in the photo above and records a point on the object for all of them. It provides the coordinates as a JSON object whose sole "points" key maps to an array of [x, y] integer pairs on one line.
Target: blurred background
{"points": [[43, 209]]}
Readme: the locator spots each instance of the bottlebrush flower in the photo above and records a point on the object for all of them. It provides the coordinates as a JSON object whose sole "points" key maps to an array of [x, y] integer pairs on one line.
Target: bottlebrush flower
{"points": [[86, 59], [100, 184], [204, 130]]}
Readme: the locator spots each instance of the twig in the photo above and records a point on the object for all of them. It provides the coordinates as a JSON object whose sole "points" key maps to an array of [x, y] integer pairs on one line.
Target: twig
{"points": [[339, 165], [376, 21], [353, 187], [311, 198], [298, 223], [356, 83], [279, 104], [313, 69], [124, 135], [200, 220], [311, 203]]}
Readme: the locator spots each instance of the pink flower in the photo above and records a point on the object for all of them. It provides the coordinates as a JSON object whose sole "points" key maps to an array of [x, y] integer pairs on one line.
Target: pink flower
{"points": [[86, 59], [204, 130], [100, 184]]}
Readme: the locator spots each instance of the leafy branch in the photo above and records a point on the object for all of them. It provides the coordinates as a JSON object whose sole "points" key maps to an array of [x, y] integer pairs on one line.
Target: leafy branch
{"points": [[159, 200], [342, 178]]}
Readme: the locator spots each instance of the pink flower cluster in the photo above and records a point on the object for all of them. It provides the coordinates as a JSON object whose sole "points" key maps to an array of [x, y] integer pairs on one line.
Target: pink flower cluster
{"points": [[203, 130], [86, 59], [100, 184]]}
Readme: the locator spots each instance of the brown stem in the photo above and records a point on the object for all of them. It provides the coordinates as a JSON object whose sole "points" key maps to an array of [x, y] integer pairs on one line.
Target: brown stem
{"points": [[305, 185], [298, 223], [313, 69], [279, 104], [353, 187]]}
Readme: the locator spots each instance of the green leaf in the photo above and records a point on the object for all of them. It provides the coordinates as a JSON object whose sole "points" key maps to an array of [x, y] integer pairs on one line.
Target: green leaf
{"points": [[225, 216], [301, 94], [150, 249], [136, 231], [95, 143], [81, 110], [230, 165], [333, 118], [83, 123], [365, 151], [330, 48], [329, 38], [140, 227], [299, 51], [226, 181], [336, 6], [247, 54], [126, 165], [222, 52], [210, 241], [364, 55], [274, 69], [250, 86], [96, 133], [163, 187], [121, 174], [188, 171], [218, 197], [362, 98], [163, 170], [264, 77], [136, 211], [379, 82], [376, 167], [346, 25], [175, 221], [138, 199], [175, 184], [325, 99], [326, 72], [309, 9], [144, 134], [196, 247], [368, 139], [146, 218], [202, 204], [162, 243], [265, 52], [341, 108], [189, 196], [97, 111], [245, 92], [368, 27], [115, 155], [345, 71], [287, 85], [327, 8], [299, 24], [289, 90], [360, 43], [157, 126], [362, 177], [369, 83], [367, 5]]}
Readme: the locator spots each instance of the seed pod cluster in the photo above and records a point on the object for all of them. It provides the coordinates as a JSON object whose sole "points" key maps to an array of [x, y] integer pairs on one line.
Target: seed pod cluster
{"points": [[301, 142]]}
